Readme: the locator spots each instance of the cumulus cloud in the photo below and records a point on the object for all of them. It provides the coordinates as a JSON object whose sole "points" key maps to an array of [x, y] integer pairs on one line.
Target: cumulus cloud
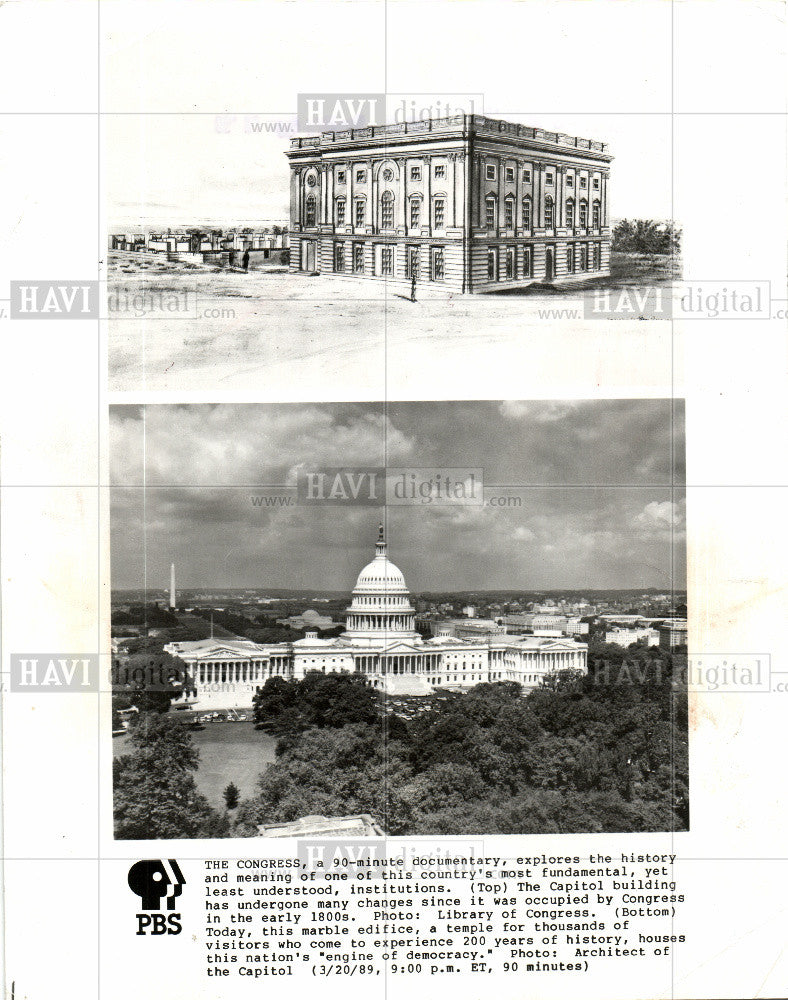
{"points": [[537, 411], [523, 534], [661, 514], [233, 445]]}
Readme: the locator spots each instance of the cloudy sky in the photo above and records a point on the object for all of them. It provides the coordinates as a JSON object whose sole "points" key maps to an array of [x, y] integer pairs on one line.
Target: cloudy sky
{"points": [[593, 490]]}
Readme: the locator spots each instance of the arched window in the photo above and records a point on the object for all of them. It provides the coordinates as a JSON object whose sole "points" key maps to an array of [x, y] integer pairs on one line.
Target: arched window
{"points": [[415, 213], [439, 212], [570, 259], [526, 213], [360, 211], [491, 211], [583, 214], [596, 215], [340, 212], [387, 210], [508, 212], [311, 211], [549, 213], [570, 213]]}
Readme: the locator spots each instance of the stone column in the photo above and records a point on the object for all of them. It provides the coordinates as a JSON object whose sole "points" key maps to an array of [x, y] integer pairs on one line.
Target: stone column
{"points": [[399, 216], [482, 209], [350, 208], [451, 184], [373, 194], [501, 193], [559, 197], [299, 197]]}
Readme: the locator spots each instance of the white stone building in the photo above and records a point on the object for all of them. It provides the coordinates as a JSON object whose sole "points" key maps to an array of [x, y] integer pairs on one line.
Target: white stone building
{"points": [[380, 643]]}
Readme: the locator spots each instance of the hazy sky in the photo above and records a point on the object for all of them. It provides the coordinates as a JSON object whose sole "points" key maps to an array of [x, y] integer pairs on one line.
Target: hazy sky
{"points": [[592, 479], [179, 92]]}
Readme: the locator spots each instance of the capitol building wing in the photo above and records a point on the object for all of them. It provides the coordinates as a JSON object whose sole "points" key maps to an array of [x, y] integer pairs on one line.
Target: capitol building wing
{"points": [[380, 643]]}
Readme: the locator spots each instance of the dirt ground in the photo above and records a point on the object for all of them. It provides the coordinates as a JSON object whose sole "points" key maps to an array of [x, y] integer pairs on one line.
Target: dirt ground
{"points": [[192, 327]]}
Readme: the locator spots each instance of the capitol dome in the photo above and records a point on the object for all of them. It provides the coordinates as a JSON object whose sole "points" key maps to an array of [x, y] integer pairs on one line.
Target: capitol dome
{"points": [[380, 576], [381, 602]]}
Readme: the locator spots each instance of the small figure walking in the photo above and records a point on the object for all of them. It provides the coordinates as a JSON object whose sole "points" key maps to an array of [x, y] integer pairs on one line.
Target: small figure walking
{"points": [[245, 259], [231, 260], [413, 287]]}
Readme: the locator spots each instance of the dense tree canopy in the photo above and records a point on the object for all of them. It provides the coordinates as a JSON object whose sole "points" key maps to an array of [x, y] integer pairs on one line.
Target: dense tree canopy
{"points": [[646, 236], [323, 700], [154, 791], [603, 751]]}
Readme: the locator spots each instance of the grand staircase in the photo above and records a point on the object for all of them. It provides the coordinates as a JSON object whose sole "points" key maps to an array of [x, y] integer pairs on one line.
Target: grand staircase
{"points": [[398, 685]]}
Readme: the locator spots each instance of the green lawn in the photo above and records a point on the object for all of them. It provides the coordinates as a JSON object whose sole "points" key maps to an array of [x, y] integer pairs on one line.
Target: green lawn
{"points": [[229, 751]]}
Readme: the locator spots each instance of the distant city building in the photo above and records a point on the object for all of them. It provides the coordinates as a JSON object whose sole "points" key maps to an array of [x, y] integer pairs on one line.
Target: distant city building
{"points": [[626, 636], [624, 621], [549, 621], [467, 202], [469, 611], [543, 624], [380, 643], [673, 633], [308, 619], [466, 628], [205, 244]]}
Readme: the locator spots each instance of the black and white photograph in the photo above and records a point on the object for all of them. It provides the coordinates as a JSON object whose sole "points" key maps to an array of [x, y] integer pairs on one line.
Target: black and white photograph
{"points": [[402, 618], [392, 499]]}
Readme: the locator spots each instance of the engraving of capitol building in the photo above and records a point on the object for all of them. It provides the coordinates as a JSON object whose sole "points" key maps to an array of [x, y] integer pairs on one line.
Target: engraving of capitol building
{"points": [[380, 643], [466, 203]]}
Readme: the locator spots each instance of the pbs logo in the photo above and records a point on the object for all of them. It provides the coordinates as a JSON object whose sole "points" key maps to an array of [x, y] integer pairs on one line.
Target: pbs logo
{"points": [[154, 882]]}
